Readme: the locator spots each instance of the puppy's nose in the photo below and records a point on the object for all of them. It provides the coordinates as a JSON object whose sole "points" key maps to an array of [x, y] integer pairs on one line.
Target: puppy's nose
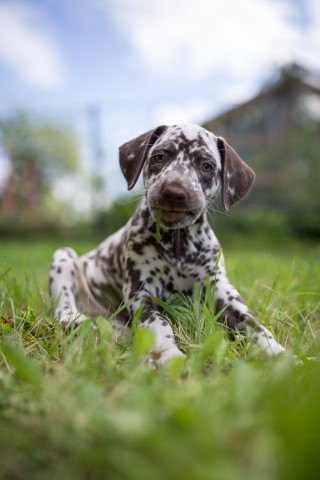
{"points": [[174, 193]]}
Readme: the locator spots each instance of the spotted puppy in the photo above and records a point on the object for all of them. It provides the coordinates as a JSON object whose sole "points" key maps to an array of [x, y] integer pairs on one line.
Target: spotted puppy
{"points": [[167, 245]]}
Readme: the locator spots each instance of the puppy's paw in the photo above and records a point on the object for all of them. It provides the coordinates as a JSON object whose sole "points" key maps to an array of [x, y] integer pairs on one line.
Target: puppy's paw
{"points": [[160, 358], [72, 319], [269, 345]]}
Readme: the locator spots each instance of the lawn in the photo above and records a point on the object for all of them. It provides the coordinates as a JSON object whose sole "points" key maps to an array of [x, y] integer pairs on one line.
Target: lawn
{"points": [[79, 406]]}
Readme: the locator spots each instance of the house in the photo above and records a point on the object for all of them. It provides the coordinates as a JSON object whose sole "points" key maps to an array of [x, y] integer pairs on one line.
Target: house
{"points": [[278, 134]]}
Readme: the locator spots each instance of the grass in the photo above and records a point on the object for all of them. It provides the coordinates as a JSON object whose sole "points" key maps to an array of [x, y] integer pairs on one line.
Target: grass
{"points": [[79, 406]]}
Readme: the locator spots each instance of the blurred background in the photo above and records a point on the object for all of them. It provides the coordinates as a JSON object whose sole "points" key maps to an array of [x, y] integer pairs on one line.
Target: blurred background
{"points": [[78, 79]]}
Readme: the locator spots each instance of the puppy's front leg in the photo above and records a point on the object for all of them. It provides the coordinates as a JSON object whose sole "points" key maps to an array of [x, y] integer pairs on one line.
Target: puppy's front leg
{"points": [[64, 285], [164, 346], [237, 316]]}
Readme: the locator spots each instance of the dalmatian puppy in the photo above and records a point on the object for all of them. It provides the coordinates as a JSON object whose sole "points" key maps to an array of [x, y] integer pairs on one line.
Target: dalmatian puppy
{"points": [[168, 245]]}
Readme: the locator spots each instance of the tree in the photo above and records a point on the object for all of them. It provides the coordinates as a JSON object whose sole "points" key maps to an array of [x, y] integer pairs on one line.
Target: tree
{"points": [[39, 149]]}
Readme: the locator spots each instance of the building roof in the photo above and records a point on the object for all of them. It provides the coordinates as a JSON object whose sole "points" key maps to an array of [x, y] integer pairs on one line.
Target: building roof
{"points": [[289, 79]]}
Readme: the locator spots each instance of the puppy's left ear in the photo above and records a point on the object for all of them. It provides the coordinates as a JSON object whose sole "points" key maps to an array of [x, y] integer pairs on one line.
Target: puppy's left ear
{"points": [[134, 153], [237, 177]]}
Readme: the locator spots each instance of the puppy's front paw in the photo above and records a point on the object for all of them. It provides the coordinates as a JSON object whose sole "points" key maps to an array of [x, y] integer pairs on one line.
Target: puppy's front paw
{"points": [[72, 319], [268, 344], [273, 348], [159, 358]]}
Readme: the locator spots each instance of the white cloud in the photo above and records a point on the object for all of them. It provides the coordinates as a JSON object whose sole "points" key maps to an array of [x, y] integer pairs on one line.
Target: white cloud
{"points": [[28, 48], [193, 38], [193, 111]]}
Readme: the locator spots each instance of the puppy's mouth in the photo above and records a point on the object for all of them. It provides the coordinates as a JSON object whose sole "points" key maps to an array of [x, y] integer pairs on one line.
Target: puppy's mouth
{"points": [[175, 217]]}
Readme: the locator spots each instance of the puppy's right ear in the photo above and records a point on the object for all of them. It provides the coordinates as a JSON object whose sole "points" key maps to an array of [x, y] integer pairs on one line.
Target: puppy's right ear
{"points": [[134, 153]]}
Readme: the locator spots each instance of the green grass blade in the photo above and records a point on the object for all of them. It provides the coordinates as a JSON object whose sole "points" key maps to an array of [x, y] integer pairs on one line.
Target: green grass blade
{"points": [[24, 367]]}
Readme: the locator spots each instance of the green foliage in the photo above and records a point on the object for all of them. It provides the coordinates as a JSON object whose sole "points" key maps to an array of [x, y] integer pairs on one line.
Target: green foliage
{"points": [[24, 367], [52, 145], [81, 405]]}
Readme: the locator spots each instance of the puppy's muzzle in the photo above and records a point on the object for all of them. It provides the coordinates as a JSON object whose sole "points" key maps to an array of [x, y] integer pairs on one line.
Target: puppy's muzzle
{"points": [[177, 204]]}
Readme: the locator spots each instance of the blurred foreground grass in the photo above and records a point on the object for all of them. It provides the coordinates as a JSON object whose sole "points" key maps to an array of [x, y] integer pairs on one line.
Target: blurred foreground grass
{"points": [[80, 406]]}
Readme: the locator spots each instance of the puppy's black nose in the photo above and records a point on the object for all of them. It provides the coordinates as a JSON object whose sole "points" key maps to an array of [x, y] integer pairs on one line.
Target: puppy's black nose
{"points": [[174, 193]]}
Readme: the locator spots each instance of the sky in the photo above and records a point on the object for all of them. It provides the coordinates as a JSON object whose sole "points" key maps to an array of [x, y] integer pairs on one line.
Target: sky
{"points": [[141, 63]]}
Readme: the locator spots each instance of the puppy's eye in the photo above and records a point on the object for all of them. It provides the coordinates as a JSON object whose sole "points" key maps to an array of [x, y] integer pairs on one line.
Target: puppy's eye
{"points": [[159, 157], [207, 167]]}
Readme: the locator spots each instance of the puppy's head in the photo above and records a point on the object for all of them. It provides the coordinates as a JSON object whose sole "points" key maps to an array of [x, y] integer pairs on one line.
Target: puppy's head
{"points": [[184, 168]]}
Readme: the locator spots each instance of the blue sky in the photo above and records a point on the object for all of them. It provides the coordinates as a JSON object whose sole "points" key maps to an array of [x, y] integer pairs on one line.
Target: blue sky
{"points": [[146, 62]]}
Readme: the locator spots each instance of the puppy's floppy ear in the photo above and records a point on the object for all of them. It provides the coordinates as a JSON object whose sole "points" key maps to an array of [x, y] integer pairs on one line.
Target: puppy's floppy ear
{"points": [[237, 177], [134, 153]]}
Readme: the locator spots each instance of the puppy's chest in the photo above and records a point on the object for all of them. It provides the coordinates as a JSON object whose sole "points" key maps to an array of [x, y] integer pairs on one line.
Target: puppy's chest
{"points": [[174, 263]]}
